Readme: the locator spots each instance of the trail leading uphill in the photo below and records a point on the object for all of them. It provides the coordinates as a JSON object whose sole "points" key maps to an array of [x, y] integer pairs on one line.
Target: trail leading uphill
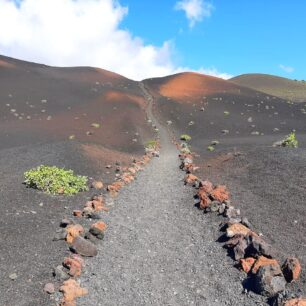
{"points": [[159, 249]]}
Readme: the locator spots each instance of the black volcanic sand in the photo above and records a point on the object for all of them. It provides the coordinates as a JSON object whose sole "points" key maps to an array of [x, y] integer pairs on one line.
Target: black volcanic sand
{"points": [[27, 226], [267, 183]]}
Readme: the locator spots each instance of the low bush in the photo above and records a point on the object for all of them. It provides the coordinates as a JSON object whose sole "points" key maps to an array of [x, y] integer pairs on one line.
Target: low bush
{"points": [[290, 141], [151, 144], [185, 137], [54, 180]]}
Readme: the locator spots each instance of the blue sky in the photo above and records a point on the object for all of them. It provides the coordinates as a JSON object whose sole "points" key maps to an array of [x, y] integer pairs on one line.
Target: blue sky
{"points": [[241, 36], [142, 39]]}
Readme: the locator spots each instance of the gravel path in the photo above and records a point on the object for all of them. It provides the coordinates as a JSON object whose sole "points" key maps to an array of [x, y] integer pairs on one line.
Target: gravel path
{"points": [[159, 249]]}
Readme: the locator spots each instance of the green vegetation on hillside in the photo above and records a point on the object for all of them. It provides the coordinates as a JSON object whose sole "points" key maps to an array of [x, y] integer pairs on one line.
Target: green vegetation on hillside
{"points": [[54, 180], [290, 90]]}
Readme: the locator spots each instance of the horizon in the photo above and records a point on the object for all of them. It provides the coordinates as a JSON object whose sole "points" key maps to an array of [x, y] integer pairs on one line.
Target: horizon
{"points": [[208, 37]]}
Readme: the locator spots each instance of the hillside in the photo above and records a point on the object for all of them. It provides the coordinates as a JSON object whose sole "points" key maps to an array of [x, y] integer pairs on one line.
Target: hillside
{"points": [[158, 248], [287, 89], [86, 119]]}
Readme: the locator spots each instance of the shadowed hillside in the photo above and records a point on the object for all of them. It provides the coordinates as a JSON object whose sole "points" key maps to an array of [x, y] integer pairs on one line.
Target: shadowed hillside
{"points": [[287, 89]]}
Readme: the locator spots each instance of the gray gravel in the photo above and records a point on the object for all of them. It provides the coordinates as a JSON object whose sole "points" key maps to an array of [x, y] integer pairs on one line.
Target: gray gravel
{"points": [[159, 249]]}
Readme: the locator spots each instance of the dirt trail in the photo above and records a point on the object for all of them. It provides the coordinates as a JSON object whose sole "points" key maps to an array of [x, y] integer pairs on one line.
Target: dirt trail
{"points": [[159, 249]]}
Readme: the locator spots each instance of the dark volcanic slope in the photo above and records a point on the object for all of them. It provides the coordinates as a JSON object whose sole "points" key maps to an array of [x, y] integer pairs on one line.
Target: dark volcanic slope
{"points": [[287, 89], [40, 108], [267, 183]]}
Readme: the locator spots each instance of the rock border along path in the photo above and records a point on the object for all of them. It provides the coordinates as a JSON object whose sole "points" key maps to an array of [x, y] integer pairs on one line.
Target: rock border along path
{"points": [[158, 251]]}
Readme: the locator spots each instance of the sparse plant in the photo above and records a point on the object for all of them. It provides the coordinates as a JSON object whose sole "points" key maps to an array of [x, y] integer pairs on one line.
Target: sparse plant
{"points": [[151, 144], [290, 141], [185, 137], [54, 180]]}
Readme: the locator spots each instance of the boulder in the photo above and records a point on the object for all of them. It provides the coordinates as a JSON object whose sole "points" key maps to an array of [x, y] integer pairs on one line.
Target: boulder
{"points": [[291, 269], [84, 247], [97, 229], [263, 261], [239, 249], [237, 229], [257, 247], [269, 280]]}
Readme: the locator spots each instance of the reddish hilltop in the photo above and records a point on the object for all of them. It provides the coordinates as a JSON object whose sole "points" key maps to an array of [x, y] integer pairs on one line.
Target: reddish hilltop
{"points": [[189, 86]]}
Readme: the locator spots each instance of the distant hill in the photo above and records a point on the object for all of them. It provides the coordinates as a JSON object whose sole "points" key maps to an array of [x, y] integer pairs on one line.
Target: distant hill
{"points": [[273, 85]]}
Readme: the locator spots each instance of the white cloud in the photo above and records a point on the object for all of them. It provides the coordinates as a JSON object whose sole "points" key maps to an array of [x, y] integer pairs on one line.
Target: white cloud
{"points": [[287, 69], [195, 10], [214, 72], [80, 33]]}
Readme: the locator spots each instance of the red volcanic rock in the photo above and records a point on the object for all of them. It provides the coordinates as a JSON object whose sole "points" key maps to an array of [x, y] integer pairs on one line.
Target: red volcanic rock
{"points": [[220, 193], [115, 187], [73, 231], [264, 261], [291, 269], [71, 290], [247, 264], [191, 179], [127, 178], [206, 186], [205, 201], [237, 229], [77, 213], [132, 170], [296, 302], [97, 184], [97, 229], [74, 264]]}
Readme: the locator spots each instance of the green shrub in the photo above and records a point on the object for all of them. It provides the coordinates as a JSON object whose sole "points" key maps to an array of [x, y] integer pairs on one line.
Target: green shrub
{"points": [[151, 144], [211, 148], [290, 141], [185, 137], [54, 180]]}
